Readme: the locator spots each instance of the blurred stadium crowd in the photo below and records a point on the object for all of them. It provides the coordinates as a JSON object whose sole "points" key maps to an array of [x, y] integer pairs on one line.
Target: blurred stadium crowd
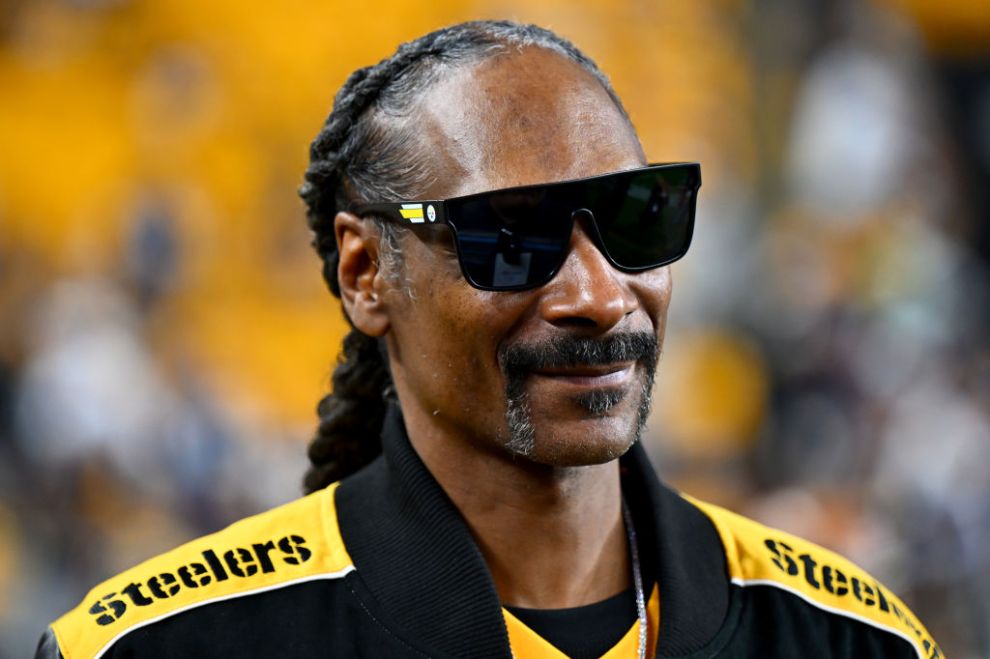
{"points": [[164, 335]]}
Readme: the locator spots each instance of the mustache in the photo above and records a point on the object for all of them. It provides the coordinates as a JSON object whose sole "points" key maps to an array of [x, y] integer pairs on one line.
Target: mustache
{"points": [[566, 351]]}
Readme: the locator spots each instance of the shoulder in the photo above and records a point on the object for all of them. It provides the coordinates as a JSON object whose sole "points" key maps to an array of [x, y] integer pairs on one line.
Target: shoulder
{"points": [[294, 543], [758, 555]]}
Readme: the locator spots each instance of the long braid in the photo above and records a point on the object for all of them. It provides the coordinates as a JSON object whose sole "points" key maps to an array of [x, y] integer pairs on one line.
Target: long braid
{"points": [[367, 151], [352, 412]]}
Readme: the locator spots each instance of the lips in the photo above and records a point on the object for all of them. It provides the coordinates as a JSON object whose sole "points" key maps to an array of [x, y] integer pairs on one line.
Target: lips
{"points": [[591, 377]]}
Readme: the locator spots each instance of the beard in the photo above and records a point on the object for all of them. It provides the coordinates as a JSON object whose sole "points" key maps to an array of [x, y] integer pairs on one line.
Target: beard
{"points": [[519, 361]]}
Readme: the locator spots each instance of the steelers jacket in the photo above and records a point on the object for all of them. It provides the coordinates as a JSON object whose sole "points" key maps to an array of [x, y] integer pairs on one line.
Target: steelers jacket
{"points": [[383, 565]]}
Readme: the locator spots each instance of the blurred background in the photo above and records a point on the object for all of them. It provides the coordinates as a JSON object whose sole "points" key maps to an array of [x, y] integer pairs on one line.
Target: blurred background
{"points": [[165, 335]]}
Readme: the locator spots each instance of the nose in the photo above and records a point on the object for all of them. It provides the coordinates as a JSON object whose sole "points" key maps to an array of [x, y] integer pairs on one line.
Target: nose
{"points": [[587, 291]]}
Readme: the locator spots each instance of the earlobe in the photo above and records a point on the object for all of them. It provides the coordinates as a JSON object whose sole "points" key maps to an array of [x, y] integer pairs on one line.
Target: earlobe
{"points": [[358, 274]]}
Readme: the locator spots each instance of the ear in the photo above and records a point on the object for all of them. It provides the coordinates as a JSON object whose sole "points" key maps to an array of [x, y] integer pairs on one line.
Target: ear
{"points": [[358, 275]]}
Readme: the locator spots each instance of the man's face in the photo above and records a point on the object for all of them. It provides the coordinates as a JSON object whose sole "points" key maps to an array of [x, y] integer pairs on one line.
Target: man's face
{"points": [[560, 375]]}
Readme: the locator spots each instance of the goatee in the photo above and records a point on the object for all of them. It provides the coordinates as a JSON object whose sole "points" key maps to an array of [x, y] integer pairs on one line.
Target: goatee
{"points": [[519, 361]]}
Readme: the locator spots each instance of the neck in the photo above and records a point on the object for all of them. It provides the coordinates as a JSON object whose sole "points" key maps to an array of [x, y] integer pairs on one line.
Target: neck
{"points": [[553, 537]]}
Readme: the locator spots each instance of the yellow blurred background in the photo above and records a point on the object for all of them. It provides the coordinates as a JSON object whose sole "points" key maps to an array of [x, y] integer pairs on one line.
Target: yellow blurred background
{"points": [[165, 334]]}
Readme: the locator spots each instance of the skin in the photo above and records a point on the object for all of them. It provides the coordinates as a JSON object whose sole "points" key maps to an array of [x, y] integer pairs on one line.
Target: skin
{"points": [[524, 117]]}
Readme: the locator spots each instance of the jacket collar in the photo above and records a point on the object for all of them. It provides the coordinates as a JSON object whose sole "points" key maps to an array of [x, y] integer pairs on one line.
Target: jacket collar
{"points": [[414, 553]]}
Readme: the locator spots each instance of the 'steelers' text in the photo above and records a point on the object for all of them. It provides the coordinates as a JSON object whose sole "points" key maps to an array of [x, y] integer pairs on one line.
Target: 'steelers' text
{"points": [[216, 566]]}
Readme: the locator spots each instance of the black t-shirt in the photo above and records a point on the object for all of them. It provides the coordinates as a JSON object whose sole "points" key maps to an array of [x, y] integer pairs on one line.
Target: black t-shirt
{"points": [[583, 632]]}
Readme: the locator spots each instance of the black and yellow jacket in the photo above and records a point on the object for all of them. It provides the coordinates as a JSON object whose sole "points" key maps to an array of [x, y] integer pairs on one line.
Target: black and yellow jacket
{"points": [[382, 565]]}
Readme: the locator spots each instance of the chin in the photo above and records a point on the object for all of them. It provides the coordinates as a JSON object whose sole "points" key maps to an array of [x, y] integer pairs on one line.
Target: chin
{"points": [[578, 428], [578, 443]]}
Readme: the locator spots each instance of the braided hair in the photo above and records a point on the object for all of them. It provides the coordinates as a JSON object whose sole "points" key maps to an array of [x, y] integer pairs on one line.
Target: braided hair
{"points": [[368, 150]]}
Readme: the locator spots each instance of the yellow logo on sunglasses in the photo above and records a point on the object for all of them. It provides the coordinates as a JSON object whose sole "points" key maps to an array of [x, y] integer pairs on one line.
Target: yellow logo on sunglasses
{"points": [[412, 212]]}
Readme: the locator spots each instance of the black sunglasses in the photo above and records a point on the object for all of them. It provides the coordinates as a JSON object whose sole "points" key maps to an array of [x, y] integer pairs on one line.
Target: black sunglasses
{"points": [[517, 238]]}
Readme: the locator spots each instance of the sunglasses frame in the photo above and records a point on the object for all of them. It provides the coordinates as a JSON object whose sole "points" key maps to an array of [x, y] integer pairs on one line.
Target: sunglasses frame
{"points": [[431, 212]]}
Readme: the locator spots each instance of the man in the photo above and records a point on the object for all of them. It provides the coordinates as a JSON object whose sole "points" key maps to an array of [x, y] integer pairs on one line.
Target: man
{"points": [[485, 212]]}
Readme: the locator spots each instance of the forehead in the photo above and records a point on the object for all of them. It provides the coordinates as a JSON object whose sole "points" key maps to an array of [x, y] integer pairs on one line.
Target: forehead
{"points": [[524, 116]]}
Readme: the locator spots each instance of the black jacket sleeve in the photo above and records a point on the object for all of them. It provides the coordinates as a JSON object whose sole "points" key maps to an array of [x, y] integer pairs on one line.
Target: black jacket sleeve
{"points": [[48, 646]]}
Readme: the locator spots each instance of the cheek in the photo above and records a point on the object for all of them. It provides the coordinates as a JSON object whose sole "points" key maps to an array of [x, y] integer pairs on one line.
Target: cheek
{"points": [[473, 324], [455, 370], [446, 332], [653, 289]]}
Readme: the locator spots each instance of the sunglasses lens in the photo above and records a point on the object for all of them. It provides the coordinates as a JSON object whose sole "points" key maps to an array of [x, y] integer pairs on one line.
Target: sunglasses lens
{"points": [[646, 219], [511, 240], [516, 239]]}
